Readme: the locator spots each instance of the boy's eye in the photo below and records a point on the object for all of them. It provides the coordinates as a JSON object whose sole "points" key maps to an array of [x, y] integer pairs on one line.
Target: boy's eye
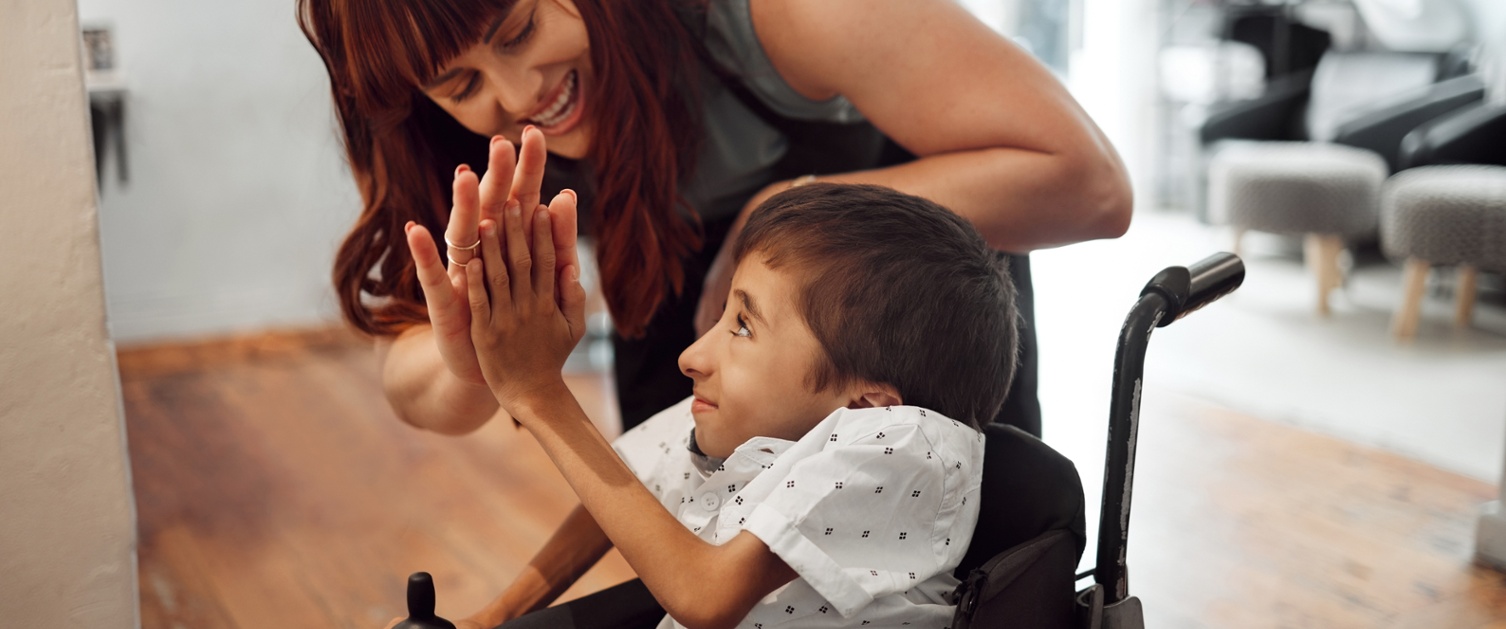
{"points": [[742, 328]]}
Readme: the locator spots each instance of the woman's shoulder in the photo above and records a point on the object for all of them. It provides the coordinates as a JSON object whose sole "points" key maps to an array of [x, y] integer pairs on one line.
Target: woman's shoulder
{"points": [[743, 38]]}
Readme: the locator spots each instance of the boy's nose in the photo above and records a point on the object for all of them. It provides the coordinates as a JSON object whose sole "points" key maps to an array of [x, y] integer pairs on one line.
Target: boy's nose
{"points": [[693, 361]]}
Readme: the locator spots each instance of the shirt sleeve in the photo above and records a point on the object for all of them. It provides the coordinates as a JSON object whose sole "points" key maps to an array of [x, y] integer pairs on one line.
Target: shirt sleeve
{"points": [[647, 445], [858, 520]]}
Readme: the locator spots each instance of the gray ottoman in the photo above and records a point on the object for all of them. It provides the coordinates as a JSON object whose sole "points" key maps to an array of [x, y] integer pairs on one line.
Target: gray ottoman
{"points": [[1443, 216], [1325, 192]]}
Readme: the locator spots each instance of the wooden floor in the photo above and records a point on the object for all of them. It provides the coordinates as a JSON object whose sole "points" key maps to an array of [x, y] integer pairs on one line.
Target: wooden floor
{"points": [[275, 488]]}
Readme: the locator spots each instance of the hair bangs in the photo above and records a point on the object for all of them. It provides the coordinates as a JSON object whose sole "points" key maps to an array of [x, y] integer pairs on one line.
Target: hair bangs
{"points": [[395, 47]]}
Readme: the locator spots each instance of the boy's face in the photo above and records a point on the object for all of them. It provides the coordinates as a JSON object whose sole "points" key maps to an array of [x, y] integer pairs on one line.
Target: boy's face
{"points": [[750, 370]]}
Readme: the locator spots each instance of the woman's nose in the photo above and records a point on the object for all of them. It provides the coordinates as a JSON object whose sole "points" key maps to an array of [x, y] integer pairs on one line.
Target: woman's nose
{"points": [[518, 90]]}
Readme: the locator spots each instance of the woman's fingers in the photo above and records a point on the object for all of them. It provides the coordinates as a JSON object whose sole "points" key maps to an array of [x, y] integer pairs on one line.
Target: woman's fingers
{"points": [[519, 259], [497, 184], [543, 257], [529, 175], [464, 215], [431, 272]]}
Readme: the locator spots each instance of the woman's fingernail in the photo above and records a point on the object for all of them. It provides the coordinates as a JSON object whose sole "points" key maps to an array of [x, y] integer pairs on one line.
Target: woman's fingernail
{"points": [[496, 139], [460, 169], [570, 192], [408, 228]]}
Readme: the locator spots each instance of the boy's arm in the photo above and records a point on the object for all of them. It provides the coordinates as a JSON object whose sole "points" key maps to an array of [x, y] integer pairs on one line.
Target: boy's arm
{"points": [[523, 330], [575, 546], [698, 583]]}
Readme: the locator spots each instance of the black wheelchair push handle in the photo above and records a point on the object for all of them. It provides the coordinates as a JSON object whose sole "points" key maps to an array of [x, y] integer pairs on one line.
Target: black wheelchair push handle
{"points": [[421, 605], [1172, 294], [1187, 289]]}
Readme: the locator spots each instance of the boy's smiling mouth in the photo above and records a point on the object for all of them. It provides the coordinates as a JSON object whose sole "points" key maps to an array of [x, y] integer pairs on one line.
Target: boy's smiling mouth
{"points": [[701, 405]]}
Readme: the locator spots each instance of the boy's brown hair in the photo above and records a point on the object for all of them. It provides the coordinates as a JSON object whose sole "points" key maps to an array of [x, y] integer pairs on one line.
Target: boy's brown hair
{"points": [[898, 290]]}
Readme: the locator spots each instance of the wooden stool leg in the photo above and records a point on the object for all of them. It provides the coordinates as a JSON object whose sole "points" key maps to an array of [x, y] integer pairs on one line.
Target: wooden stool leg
{"points": [[1333, 251], [1312, 254], [1404, 323], [1321, 253], [1464, 298]]}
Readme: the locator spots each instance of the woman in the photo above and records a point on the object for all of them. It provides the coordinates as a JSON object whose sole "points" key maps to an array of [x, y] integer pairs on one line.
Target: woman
{"points": [[672, 119]]}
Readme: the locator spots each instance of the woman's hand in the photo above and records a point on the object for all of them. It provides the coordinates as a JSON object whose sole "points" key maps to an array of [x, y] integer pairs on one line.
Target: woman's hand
{"points": [[521, 330], [474, 201]]}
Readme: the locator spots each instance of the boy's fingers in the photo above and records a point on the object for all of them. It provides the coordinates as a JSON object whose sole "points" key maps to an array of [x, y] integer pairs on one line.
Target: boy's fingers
{"points": [[573, 301], [543, 255], [497, 183], [496, 270], [480, 307], [563, 219], [519, 260], [529, 175], [464, 215]]}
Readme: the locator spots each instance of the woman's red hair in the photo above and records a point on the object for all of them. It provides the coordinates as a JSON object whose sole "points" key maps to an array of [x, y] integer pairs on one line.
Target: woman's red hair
{"points": [[403, 148]]}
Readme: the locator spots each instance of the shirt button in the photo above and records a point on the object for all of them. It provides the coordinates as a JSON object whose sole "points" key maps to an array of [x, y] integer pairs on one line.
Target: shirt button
{"points": [[710, 501]]}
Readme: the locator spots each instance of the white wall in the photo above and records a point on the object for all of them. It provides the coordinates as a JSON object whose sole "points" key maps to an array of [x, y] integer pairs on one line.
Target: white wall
{"points": [[67, 535], [238, 191]]}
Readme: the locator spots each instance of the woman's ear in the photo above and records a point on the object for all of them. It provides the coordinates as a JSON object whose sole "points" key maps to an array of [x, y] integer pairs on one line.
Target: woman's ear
{"points": [[868, 395]]}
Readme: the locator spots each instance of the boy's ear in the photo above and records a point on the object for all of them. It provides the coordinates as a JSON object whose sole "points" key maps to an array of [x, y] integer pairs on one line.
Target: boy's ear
{"points": [[868, 395]]}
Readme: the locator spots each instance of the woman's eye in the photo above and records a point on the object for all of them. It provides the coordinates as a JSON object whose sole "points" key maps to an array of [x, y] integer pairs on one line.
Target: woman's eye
{"points": [[470, 88], [521, 37], [742, 328]]}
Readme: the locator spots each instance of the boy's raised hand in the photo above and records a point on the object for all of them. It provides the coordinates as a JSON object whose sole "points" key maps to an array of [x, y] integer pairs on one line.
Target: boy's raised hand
{"points": [[527, 311]]}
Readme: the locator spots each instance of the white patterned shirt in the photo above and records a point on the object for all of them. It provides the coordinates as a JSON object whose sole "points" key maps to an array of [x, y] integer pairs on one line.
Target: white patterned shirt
{"points": [[873, 509]]}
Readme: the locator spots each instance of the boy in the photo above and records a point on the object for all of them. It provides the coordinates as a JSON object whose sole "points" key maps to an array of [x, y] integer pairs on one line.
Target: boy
{"points": [[826, 471]]}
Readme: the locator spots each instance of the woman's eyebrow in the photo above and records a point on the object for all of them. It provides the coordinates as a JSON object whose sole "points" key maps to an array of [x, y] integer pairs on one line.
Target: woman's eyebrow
{"points": [[491, 31], [486, 39]]}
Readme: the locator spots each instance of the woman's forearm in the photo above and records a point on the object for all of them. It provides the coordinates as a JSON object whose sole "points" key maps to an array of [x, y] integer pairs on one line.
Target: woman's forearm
{"points": [[574, 548], [422, 390], [1020, 200]]}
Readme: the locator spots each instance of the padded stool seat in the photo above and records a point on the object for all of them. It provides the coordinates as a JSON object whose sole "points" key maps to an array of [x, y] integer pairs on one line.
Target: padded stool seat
{"points": [[1326, 192], [1443, 216]]}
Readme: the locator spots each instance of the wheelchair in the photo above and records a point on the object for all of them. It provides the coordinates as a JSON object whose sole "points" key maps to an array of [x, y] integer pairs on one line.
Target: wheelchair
{"points": [[1020, 569]]}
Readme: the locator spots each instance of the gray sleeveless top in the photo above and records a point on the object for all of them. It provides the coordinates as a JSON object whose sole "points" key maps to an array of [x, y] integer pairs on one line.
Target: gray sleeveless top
{"points": [[739, 148]]}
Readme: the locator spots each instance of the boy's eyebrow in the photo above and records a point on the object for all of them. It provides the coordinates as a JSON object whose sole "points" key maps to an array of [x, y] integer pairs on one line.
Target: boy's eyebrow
{"points": [[486, 39], [750, 305]]}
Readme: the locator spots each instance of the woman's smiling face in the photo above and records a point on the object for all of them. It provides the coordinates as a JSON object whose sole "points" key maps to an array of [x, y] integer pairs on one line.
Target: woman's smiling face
{"points": [[531, 67]]}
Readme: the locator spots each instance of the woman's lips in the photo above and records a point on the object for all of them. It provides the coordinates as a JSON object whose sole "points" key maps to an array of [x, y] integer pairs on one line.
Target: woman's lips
{"points": [[565, 109], [701, 406]]}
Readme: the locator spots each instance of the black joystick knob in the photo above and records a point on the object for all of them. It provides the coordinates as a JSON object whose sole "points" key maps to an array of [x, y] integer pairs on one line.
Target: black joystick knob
{"points": [[421, 605]]}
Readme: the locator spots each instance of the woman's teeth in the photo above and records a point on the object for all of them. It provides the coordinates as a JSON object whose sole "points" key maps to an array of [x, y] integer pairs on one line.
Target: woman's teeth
{"points": [[563, 105]]}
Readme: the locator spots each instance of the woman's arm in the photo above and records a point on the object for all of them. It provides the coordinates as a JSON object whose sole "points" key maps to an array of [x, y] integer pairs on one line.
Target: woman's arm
{"points": [[576, 546], [999, 138], [424, 392]]}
